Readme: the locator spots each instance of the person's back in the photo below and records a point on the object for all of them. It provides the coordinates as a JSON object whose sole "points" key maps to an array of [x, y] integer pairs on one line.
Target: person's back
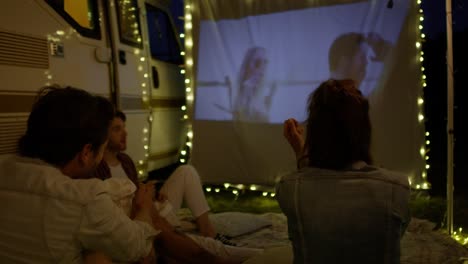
{"points": [[345, 216], [42, 207], [50, 212], [339, 208]]}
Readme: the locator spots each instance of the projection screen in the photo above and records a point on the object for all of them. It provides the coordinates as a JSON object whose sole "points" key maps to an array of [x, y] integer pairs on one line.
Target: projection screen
{"points": [[257, 62]]}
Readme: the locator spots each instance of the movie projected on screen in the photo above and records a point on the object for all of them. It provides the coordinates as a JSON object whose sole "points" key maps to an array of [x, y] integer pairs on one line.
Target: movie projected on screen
{"points": [[262, 68]]}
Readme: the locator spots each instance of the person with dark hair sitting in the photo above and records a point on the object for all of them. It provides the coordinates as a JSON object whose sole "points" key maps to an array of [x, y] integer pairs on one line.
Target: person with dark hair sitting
{"points": [[183, 185], [339, 207], [53, 213]]}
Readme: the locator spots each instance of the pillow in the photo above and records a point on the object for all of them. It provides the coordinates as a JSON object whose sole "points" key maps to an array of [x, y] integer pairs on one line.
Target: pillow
{"points": [[234, 224]]}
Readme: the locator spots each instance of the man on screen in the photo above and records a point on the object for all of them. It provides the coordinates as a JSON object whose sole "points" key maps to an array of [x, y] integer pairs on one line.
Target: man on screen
{"points": [[348, 58]]}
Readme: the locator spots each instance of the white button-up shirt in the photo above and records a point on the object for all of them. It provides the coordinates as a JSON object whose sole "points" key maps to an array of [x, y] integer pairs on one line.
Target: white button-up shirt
{"points": [[47, 217]]}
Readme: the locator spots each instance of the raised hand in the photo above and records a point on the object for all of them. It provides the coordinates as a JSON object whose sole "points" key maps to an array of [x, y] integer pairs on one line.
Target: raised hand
{"points": [[379, 46], [294, 133]]}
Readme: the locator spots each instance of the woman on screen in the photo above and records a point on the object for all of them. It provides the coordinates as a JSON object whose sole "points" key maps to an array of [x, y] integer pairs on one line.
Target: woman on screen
{"points": [[251, 104]]}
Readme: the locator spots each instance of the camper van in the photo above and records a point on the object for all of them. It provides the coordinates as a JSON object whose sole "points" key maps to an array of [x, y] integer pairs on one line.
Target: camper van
{"points": [[125, 50]]}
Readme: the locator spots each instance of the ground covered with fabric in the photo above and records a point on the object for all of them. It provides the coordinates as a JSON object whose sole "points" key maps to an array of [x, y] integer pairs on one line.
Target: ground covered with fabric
{"points": [[422, 243]]}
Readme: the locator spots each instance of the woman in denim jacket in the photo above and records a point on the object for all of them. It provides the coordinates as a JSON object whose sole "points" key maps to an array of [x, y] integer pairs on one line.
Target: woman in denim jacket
{"points": [[341, 209]]}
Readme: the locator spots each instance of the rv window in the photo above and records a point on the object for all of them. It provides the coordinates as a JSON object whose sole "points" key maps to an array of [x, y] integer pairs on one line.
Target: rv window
{"points": [[80, 14], [164, 45], [129, 27]]}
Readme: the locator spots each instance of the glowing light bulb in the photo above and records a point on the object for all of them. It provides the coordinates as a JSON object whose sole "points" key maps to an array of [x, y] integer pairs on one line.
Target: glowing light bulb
{"points": [[420, 117], [422, 151]]}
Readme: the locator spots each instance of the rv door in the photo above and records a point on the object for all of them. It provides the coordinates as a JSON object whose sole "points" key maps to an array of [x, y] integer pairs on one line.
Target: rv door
{"points": [[149, 87], [167, 87], [130, 75]]}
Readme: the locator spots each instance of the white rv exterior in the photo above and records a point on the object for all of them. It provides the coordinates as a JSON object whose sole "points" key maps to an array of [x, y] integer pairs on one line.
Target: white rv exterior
{"points": [[125, 50]]}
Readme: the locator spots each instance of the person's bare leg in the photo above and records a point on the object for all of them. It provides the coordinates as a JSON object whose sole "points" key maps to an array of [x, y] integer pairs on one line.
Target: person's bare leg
{"points": [[205, 226]]}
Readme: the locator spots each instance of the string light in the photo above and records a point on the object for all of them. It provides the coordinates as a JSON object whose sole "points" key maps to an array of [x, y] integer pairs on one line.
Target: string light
{"points": [[186, 71], [420, 100], [420, 117]]}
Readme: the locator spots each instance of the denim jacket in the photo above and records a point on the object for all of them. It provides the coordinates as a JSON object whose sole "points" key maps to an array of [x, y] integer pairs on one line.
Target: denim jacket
{"points": [[345, 216]]}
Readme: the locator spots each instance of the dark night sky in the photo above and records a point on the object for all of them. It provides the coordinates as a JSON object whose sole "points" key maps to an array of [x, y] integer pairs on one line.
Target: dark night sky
{"points": [[435, 16]]}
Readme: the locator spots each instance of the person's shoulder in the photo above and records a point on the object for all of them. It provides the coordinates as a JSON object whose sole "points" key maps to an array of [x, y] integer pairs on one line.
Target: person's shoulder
{"points": [[125, 159], [35, 176], [124, 156], [393, 176], [294, 175], [85, 191]]}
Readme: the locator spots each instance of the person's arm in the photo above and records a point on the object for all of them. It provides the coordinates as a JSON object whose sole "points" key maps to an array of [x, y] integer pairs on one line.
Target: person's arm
{"points": [[105, 228], [379, 46], [294, 134]]}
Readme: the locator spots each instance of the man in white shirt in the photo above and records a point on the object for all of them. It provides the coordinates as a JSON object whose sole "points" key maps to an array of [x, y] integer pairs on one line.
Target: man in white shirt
{"points": [[183, 185], [52, 214]]}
